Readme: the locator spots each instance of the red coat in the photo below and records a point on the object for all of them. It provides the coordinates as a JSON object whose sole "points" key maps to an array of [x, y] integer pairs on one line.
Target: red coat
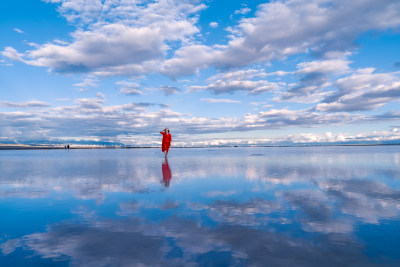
{"points": [[166, 141]]}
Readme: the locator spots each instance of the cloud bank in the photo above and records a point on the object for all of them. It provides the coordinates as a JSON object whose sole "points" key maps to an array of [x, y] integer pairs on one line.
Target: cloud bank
{"points": [[134, 41]]}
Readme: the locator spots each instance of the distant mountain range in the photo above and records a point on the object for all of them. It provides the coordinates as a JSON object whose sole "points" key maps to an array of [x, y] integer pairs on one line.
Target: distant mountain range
{"points": [[99, 144]]}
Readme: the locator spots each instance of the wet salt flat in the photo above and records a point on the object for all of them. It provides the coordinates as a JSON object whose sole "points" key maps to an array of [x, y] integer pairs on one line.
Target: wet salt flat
{"points": [[304, 206]]}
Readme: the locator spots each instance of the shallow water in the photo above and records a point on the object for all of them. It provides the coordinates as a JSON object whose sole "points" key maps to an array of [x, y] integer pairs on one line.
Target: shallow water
{"points": [[304, 206]]}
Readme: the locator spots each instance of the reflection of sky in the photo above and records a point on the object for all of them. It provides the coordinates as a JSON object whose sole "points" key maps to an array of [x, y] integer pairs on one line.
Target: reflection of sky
{"points": [[234, 206]]}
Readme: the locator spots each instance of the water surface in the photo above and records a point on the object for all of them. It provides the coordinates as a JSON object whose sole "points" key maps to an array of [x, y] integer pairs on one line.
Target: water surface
{"points": [[304, 206]]}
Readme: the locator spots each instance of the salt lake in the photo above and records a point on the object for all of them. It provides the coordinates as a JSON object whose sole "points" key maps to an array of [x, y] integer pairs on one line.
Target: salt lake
{"points": [[234, 206]]}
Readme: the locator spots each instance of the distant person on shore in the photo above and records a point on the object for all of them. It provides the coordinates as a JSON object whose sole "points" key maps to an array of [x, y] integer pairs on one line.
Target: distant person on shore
{"points": [[166, 141], [68, 146]]}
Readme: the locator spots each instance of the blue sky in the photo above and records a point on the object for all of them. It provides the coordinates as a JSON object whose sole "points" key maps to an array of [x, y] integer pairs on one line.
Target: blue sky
{"points": [[247, 72]]}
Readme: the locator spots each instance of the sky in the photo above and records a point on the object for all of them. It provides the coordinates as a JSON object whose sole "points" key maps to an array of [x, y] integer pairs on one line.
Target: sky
{"points": [[213, 72]]}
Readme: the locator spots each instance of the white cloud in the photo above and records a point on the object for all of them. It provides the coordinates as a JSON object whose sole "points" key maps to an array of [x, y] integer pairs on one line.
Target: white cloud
{"points": [[11, 53], [322, 26], [278, 118], [27, 104], [169, 90], [134, 43], [130, 12], [363, 90], [343, 137], [230, 82], [130, 91], [243, 11], [238, 75], [87, 82], [18, 30], [257, 103], [252, 87], [130, 38], [132, 123], [187, 61], [219, 100], [308, 27], [91, 118], [329, 66], [112, 45], [90, 104], [129, 88], [213, 24], [315, 80], [138, 41], [100, 95]]}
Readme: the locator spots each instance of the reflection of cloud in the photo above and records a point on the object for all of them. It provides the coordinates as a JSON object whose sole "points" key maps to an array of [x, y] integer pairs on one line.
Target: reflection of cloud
{"points": [[10, 245], [220, 193], [128, 208], [249, 232], [85, 245], [322, 193], [313, 203], [317, 212], [90, 178], [256, 248], [106, 172], [177, 241], [367, 200], [244, 214], [169, 204]]}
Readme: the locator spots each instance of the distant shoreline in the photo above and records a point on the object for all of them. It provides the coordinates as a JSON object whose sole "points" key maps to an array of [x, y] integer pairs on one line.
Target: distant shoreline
{"points": [[31, 147], [39, 147]]}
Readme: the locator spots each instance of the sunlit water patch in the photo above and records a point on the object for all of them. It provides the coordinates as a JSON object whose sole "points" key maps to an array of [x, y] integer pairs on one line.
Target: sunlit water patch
{"points": [[304, 206]]}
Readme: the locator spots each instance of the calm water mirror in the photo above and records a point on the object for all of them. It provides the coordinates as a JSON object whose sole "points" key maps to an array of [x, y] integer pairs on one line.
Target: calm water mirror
{"points": [[304, 206]]}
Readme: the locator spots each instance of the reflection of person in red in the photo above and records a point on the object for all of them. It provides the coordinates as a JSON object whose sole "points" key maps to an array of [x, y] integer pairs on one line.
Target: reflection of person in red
{"points": [[166, 141], [166, 173]]}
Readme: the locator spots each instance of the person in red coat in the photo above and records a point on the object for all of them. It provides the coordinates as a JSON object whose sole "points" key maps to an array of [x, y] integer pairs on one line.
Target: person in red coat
{"points": [[166, 141]]}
